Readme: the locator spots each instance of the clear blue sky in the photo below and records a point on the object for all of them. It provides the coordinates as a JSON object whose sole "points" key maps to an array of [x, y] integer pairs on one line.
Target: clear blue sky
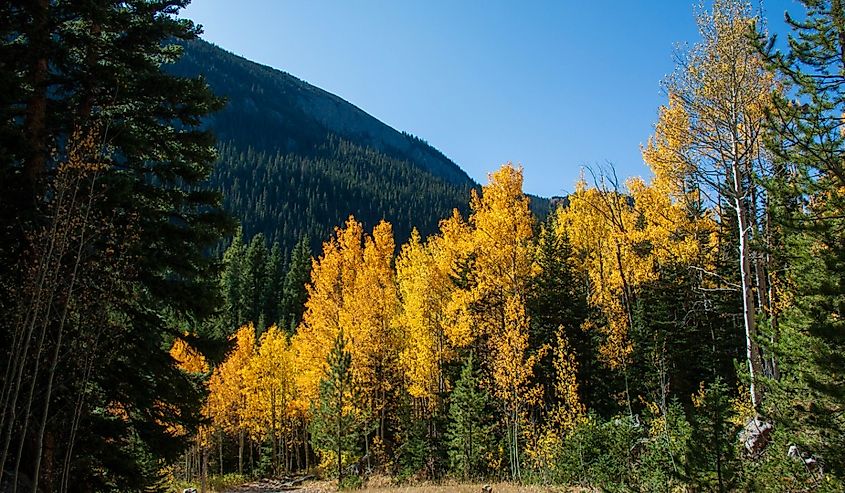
{"points": [[551, 85]]}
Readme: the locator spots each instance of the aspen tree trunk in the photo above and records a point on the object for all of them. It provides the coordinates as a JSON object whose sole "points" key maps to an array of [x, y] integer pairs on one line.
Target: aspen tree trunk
{"points": [[751, 348], [240, 451], [65, 217], [274, 432], [204, 459], [305, 446], [58, 343], [77, 414]]}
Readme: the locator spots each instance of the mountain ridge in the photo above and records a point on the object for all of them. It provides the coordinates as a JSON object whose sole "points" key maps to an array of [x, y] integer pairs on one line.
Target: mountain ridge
{"points": [[334, 113], [297, 160]]}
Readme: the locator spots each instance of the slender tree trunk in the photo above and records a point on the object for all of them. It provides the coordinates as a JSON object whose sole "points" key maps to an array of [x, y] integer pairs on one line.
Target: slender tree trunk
{"points": [[274, 433], [58, 344], [204, 459], [66, 220], [240, 451], [747, 282]]}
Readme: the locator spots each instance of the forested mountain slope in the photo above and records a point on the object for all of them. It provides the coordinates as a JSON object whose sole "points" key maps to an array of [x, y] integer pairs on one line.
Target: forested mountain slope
{"points": [[296, 160]]}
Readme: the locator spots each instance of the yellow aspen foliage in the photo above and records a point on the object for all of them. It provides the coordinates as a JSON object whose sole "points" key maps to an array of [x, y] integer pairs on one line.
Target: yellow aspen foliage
{"points": [[624, 235], [331, 273], [425, 288], [187, 358], [372, 306], [714, 129], [433, 316], [352, 287], [455, 249], [668, 152], [502, 233], [269, 387], [511, 365], [492, 300], [569, 410], [226, 404], [595, 222]]}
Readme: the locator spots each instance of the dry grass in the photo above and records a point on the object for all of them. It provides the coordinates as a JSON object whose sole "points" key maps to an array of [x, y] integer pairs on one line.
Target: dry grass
{"points": [[384, 485], [462, 488]]}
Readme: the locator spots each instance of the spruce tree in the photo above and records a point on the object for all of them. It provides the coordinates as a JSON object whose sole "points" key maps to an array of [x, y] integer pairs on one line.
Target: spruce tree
{"points": [[233, 264], [335, 423], [713, 459], [294, 293], [91, 73], [272, 290], [253, 279], [557, 298], [468, 432], [806, 133]]}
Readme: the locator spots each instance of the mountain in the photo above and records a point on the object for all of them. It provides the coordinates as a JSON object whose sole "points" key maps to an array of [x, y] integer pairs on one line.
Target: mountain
{"points": [[296, 160]]}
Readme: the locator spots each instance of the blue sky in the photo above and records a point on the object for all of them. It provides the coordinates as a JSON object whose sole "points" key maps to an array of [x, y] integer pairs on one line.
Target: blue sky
{"points": [[553, 86]]}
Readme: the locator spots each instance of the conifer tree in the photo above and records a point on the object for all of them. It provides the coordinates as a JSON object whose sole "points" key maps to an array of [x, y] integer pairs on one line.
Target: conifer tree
{"points": [[808, 135], [294, 294], [713, 451], [468, 432], [557, 298], [95, 68], [230, 280], [335, 423], [272, 289], [253, 281]]}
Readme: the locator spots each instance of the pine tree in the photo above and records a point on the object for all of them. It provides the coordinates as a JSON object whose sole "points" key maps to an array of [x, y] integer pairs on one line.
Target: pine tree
{"points": [[468, 431], [294, 294], [807, 135], [272, 289], [94, 69], [253, 281], [230, 280], [336, 423]]}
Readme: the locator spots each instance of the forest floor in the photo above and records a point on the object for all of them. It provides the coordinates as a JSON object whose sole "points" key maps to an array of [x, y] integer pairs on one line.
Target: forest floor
{"points": [[379, 485]]}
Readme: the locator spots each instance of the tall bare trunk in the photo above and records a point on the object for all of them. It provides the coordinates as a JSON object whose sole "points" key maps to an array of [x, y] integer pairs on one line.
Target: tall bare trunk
{"points": [[747, 283]]}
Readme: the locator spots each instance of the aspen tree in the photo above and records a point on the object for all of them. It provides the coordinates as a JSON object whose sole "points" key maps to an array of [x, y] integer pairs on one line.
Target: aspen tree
{"points": [[492, 304], [226, 405], [720, 94], [269, 390]]}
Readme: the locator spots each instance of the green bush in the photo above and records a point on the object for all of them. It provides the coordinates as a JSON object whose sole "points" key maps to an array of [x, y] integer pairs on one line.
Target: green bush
{"points": [[623, 454], [599, 454], [351, 482]]}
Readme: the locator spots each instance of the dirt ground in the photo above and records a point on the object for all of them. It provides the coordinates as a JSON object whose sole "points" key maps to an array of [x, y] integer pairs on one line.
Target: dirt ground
{"points": [[384, 486]]}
